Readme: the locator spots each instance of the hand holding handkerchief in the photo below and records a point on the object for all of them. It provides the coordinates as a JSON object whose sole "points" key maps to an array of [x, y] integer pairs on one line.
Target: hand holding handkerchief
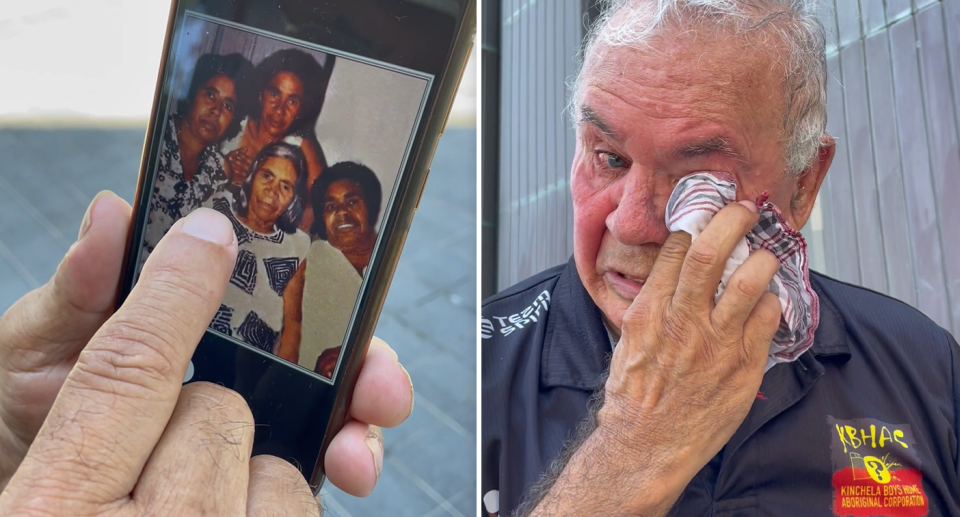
{"points": [[694, 202]]}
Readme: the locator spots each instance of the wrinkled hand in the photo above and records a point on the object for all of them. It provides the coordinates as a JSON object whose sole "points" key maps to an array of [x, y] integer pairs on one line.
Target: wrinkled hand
{"points": [[99, 404], [687, 370], [238, 161]]}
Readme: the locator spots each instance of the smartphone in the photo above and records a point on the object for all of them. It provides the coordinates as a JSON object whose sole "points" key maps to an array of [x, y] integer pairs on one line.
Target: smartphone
{"points": [[311, 126]]}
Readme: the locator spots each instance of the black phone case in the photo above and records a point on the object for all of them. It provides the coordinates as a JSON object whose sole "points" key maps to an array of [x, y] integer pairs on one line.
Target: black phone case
{"points": [[297, 413]]}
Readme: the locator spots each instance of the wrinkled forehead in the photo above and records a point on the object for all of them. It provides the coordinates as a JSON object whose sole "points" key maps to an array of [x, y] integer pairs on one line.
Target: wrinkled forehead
{"points": [[281, 167], [704, 65]]}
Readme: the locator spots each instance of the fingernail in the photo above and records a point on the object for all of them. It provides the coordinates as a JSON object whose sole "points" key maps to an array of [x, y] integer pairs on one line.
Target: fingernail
{"points": [[374, 441], [751, 206], [208, 225], [87, 216], [412, 393]]}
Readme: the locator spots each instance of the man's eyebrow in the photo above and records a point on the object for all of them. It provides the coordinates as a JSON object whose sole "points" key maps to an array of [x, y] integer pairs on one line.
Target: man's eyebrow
{"points": [[588, 116], [717, 144]]}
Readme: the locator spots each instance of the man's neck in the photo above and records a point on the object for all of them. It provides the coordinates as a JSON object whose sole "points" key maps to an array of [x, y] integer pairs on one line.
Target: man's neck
{"points": [[612, 330]]}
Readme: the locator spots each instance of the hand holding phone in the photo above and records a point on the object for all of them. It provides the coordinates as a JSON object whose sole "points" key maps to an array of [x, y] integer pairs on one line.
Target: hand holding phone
{"points": [[121, 423], [313, 137]]}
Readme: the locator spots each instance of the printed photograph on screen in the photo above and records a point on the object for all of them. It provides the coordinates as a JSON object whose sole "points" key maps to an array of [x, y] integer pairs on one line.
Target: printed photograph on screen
{"points": [[300, 148]]}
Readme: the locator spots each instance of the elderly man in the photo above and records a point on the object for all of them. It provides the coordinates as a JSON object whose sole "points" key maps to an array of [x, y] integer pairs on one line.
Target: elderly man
{"points": [[619, 384]]}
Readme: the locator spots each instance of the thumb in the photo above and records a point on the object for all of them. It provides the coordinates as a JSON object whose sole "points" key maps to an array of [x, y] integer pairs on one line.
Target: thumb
{"points": [[41, 334], [69, 308], [117, 400]]}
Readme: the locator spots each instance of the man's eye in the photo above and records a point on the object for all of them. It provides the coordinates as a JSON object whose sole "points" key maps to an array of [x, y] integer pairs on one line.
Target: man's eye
{"points": [[611, 160]]}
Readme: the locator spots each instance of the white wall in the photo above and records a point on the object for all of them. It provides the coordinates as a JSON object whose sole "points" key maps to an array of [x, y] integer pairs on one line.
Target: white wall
{"points": [[367, 118]]}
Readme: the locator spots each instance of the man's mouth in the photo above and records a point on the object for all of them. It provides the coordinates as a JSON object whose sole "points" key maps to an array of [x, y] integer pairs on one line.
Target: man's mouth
{"points": [[346, 226], [627, 286]]}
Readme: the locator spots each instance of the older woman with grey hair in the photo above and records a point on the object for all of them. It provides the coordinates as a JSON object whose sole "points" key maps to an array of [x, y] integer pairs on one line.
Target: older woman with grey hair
{"points": [[265, 212]]}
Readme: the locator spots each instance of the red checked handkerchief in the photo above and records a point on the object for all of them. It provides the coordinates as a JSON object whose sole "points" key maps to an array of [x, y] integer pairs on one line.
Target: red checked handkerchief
{"points": [[694, 202]]}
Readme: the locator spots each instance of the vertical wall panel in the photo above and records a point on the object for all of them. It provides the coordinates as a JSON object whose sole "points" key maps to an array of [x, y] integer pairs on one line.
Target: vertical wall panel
{"points": [[540, 37], [893, 210], [924, 231], [848, 21], [838, 178], [944, 151], [859, 147], [872, 16]]}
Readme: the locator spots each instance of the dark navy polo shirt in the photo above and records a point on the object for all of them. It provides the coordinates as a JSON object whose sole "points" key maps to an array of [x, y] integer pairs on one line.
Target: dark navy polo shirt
{"points": [[864, 423]]}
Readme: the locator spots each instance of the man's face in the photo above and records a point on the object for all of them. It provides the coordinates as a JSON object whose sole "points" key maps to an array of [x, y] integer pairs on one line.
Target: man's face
{"points": [[280, 103], [272, 189], [345, 214], [647, 120], [212, 110]]}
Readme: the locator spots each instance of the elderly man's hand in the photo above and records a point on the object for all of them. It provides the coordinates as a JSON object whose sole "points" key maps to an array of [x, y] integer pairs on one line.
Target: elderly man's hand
{"points": [[93, 419], [682, 378]]}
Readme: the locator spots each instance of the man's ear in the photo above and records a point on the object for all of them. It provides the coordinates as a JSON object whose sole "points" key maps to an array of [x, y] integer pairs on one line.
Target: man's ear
{"points": [[808, 183]]}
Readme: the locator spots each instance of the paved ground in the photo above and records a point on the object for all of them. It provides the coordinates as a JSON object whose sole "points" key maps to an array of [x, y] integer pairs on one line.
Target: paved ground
{"points": [[47, 179]]}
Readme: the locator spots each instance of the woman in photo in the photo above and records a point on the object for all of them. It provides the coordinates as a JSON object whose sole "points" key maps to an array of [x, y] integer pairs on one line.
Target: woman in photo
{"points": [[287, 102], [265, 214], [191, 167], [348, 197]]}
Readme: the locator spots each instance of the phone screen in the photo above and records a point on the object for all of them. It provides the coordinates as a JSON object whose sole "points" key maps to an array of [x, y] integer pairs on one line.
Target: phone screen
{"points": [[298, 123], [300, 147]]}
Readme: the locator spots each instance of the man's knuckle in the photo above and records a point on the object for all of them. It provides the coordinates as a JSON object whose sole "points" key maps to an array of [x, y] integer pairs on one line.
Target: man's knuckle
{"points": [[703, 255], [748, 288], [276, 469], [125, 367], [217, 402], [676, 246], [173, 283]]}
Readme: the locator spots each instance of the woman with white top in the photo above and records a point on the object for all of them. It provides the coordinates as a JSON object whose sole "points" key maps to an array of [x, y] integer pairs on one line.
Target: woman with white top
{"points": [[266, 213], [347, 198]]}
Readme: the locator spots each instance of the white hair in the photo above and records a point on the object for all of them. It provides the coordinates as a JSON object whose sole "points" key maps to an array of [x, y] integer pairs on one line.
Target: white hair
{"points": [[632, 22]]}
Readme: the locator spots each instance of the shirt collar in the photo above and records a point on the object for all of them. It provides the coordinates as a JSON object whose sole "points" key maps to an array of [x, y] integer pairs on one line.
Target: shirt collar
{"points": [[830, 338], [576, 346]]}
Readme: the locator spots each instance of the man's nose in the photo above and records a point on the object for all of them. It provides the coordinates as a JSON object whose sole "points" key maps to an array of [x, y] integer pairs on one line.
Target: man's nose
{"points": [[640, 202]]}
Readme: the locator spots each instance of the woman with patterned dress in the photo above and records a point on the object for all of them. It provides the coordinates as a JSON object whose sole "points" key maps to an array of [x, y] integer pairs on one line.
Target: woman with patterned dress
{"points": [[265, 215], [191, 167]]}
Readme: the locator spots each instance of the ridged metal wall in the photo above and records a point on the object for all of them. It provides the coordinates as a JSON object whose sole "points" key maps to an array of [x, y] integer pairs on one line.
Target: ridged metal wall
{"points": [[888, 217], [539, 39], [891, 203]]}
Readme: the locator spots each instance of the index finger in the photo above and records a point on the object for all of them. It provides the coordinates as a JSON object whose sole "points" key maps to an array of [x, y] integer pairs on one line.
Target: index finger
{"points": [[708, 254], [117, 400], [666, 269]]}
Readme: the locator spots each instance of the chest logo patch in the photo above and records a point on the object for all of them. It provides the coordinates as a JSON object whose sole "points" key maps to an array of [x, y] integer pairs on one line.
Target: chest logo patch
{"points": [[507, 325], [875, 469]]}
